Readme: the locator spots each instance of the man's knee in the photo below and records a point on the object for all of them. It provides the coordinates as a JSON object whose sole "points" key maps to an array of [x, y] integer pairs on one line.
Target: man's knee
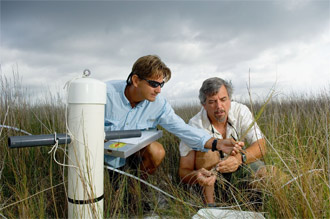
{"points": [[271, 173], [158, 152], [262, 172], [155, 152], [206, 160], [266, 171]]}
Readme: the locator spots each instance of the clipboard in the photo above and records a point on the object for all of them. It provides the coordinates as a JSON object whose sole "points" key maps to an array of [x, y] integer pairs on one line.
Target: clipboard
{"points": [[125, 147]]}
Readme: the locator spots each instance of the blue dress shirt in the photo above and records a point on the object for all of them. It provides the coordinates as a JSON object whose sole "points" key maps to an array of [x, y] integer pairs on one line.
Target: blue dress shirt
{"points": [[119, 115]]}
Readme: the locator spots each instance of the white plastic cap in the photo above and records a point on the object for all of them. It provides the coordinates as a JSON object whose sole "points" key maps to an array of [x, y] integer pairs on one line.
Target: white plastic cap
{"points": [[87, 90]]}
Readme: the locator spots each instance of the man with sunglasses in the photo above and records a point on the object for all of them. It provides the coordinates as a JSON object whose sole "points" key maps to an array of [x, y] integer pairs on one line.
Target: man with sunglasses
{"points": [[222, 118], [137, 104]]}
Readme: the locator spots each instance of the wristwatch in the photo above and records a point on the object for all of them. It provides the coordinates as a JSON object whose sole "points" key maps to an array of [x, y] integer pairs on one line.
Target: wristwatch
{"points": [[214, 148], [243, 158], [214, 145]]}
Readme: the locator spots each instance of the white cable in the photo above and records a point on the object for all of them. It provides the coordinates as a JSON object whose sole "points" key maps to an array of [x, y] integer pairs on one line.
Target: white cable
{"points": [[54, 149], [3, 216], [7, 111], [55, 146], [295, 178], [67, 87], [16, 129], [171, 196], [148, 184], [68, 132]]}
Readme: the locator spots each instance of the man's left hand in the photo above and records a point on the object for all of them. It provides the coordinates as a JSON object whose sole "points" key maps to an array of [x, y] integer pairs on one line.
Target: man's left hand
{"points": [[229, 165]]}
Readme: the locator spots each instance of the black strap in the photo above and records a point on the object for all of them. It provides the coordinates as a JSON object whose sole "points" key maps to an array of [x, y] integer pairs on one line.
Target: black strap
{"points": [[214, 145], [82, 202], [129, 78]]}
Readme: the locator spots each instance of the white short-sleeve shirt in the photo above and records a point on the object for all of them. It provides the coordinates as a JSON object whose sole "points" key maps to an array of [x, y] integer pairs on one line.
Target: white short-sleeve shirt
{"points": [[239, 120]]}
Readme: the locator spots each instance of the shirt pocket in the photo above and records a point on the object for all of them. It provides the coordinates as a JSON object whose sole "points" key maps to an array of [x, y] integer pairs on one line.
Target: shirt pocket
{"points": [[148, 124], [111, 125]]}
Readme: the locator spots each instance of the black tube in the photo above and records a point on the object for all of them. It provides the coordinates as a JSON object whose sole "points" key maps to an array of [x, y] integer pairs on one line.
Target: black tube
{"points": [[48, 140], [122, 134], [37, 140]]}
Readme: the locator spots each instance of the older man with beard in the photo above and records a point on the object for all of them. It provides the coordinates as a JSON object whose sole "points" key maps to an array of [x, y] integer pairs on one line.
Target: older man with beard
{"points": [[223, 119]]}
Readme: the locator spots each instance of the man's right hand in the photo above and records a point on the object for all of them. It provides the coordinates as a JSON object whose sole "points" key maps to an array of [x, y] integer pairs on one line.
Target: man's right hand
{"points": [[230, 146], [205, 177]]}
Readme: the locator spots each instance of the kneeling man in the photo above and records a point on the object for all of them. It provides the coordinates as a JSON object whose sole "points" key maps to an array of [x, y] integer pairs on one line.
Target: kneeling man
{"points": [[223, 119]]}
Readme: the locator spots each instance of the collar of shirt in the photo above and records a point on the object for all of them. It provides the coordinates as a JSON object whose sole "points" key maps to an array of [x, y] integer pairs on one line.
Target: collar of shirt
{"points": [[126, 101], [209, 127], [230, 131], [231, 117]]}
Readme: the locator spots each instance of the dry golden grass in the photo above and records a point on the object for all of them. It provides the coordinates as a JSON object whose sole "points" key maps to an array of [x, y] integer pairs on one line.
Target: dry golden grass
{"points": [[296, 127]]}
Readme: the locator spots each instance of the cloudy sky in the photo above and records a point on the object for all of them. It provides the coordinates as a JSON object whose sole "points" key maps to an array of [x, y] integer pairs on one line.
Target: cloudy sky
{"points": [[282, 42]]}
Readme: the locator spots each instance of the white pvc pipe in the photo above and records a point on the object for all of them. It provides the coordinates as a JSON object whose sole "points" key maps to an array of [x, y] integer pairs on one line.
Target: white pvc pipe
{"points": [[86, 99]]}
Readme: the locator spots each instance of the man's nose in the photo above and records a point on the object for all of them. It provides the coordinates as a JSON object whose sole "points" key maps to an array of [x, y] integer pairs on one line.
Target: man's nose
{"points": [[219, 105], [158, 89]]}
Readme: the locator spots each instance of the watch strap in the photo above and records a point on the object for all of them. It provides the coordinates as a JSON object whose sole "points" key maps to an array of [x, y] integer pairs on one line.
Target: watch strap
{"points": [[214, 145]]}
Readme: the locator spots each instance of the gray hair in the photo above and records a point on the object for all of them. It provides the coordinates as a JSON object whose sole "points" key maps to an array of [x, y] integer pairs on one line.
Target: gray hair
{"points": [[211, 87]]}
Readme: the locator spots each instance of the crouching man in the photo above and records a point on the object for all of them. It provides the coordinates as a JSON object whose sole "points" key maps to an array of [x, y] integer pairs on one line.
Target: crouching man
{"points": [[222, 119]]}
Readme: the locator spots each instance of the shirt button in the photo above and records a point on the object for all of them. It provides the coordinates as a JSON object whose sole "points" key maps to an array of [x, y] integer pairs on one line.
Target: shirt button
{"points": [[127, 123]]}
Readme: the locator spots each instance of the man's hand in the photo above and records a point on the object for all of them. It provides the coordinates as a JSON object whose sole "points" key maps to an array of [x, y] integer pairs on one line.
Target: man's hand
{"points": [[229, 165], [205, 177], [230, 146]]}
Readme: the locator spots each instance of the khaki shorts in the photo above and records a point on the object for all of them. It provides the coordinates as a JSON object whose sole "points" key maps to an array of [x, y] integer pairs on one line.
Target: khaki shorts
{"points": [[241, 177]]}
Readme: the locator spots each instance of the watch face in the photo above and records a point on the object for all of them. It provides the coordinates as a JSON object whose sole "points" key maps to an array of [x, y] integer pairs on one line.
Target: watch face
{"points": [[243, 158]]}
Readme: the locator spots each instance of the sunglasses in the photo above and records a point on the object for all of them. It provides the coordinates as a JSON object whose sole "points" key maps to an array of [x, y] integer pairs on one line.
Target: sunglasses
{"points": [[154, 84]]}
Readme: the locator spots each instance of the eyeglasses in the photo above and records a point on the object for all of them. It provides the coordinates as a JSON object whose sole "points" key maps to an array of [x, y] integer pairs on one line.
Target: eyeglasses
{"points": [[154, 84]]}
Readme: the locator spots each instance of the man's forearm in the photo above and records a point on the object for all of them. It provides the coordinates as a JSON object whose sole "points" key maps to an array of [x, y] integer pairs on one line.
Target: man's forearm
{"points": [[255, 151], [219, 143], [228, 146], [208, 144]]}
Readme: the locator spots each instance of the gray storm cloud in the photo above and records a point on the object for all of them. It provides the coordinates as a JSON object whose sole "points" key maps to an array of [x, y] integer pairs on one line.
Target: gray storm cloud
{"points": [[51, 41]]}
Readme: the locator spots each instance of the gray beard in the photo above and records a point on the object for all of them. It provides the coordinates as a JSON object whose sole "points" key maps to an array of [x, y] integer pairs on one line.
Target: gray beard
{"points": [[223, 119]]}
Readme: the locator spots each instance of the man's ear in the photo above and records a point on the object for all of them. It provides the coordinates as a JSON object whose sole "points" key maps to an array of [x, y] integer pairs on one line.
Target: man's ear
{"points": [[204, 105], [135, 80]]}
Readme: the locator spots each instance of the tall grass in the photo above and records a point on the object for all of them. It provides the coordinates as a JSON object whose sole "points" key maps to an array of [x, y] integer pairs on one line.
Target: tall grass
{"points": [[28, 171], [297, 131]]}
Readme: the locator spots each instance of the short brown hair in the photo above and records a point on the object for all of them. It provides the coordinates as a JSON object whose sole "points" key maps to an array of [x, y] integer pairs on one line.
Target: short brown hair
{"points": [[148, 67]]}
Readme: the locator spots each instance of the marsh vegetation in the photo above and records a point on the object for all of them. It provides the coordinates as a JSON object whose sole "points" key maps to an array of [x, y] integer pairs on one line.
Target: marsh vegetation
{"points": [[297, 130]]}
